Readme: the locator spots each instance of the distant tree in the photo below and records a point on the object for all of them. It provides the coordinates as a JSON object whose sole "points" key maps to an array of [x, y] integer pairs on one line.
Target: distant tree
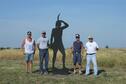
{"points": [[2, 48], [16, 48], [8, 47], [107, 46]]}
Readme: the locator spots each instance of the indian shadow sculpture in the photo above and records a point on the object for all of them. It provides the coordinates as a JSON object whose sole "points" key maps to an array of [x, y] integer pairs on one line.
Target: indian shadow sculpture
{"points": [[56, 42]]}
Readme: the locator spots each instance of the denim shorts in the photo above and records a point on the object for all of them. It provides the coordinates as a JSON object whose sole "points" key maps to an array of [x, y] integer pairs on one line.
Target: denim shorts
{"points": [[29, 57], [77, 58]]}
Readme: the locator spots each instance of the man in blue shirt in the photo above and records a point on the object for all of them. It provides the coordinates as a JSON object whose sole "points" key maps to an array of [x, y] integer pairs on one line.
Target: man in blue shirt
{"points": [[77, 48]]}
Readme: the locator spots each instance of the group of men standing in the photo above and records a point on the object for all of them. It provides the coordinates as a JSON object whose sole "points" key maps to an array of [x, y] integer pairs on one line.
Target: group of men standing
{"points": [[29, 47]]}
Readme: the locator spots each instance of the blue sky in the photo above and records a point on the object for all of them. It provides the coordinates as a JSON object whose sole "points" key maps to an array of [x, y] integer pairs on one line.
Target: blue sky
{"points": [[104, 19]]}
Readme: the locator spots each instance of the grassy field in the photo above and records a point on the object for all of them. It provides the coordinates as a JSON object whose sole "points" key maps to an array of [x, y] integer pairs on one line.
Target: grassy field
{"points": [[111, 64]]}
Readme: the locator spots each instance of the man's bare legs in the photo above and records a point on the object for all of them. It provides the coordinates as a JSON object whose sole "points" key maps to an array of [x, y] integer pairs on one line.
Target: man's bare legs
{"points": [[29, 67]]}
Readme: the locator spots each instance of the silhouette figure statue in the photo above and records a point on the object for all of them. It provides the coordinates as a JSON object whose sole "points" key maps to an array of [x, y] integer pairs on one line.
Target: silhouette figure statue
{"points": [[56, 40]]}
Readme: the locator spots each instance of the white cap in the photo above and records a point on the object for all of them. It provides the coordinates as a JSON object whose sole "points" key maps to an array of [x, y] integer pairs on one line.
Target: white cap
{"points": [[90, 36], [43, 32]]}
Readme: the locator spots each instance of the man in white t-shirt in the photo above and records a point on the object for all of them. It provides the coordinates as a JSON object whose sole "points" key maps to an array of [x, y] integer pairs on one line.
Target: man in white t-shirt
{"points": [[42, 44], [91, 49]]}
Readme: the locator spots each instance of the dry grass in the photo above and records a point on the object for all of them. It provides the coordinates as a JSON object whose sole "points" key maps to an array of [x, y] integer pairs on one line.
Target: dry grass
{"points": [[112, 61], [105, 57]]}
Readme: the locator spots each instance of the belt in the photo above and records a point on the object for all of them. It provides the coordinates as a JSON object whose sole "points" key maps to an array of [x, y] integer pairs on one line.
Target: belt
{"points": [[91, 53], [44, 49], [77, 52]]}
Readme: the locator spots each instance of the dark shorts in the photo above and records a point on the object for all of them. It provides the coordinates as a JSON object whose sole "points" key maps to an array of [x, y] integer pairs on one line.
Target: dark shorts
{"points": [[77, 58]]}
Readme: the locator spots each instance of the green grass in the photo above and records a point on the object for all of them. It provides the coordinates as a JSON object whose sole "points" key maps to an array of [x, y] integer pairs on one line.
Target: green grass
{"points": [[112, 63]]}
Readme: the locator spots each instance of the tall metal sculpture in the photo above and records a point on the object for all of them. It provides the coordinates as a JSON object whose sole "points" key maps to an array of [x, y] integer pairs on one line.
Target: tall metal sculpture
{"points": [[56, 40]]}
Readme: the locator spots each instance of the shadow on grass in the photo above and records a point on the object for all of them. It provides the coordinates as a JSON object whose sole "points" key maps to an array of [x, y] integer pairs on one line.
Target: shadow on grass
{"points": [[67, 71], [63, 71], [57, 71], [92, 71], [36, 71], [101, 71]]}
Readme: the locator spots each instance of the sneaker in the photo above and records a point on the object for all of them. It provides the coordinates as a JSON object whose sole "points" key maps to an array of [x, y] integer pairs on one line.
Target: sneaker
{"points": [[46, 72], [80, 72], [27, 72], [41, 73], [75, 72], [30, 72], [95, 75], [86, 75]]}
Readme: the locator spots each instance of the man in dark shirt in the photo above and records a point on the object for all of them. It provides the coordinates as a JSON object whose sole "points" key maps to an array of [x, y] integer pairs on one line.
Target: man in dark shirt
{"points": [[77, 48]]}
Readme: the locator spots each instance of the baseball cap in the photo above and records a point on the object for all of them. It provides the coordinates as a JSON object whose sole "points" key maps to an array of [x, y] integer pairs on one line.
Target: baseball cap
{"points": [[29, 33], [43, 32], [90, 36], [77, 35]]}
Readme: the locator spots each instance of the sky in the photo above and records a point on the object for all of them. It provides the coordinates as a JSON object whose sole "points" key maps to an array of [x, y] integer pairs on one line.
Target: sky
{"points": [[105, 20]]}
